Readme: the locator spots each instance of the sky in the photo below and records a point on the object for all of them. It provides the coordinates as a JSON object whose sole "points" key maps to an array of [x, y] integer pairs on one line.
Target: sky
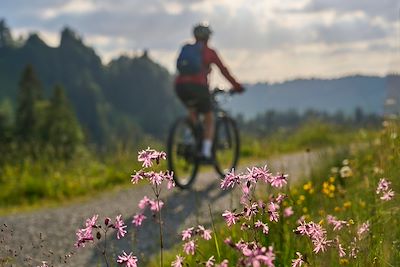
{"points": [[259, 40]]}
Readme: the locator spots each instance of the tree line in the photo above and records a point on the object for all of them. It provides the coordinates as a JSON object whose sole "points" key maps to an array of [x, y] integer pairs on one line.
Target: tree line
{"points": [[271, 121], [39, 125]]}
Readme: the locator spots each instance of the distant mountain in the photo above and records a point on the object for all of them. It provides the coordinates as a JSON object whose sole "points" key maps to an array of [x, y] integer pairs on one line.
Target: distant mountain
{"points": [[127, 96], [330, 95]]}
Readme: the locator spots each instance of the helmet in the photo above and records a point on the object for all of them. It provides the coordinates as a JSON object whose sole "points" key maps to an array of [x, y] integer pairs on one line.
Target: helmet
{"points": [[202, 31]]}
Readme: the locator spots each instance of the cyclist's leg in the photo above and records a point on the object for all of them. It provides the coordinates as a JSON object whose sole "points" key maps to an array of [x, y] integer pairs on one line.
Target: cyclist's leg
{"points": [[208, 133]]}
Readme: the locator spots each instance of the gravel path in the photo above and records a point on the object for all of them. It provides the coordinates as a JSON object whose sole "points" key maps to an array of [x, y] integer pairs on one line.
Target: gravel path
{"points": [[49, 234]]}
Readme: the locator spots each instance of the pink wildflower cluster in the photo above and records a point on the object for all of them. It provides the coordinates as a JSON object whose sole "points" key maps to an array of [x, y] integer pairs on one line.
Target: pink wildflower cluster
{"points": [[154, 204], [155, 178], [149, 155], [189, 235], [253, 253], [316, 233], [384, 189], [252, 176], [299, 261], [127, 260], [86, 234], [337, 224], [251, 209]]}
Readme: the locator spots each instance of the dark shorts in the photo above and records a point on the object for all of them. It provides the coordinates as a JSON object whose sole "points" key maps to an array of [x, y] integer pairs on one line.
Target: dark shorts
{"points": [[194, 96]]}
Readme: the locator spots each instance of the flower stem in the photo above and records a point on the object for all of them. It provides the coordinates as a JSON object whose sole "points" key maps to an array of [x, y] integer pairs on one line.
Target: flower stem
{"points": [[160, 227]]}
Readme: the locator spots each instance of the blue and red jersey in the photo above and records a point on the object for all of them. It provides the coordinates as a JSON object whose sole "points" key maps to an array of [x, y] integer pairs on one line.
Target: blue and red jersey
{"points": [[209, 57]]}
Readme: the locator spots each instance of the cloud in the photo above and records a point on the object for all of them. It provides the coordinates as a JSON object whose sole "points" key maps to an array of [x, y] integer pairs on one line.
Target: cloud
{"points": [[247, 32], [387, 9]]}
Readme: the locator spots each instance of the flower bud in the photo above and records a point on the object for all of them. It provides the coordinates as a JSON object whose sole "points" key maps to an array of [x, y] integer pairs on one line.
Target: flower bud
{"points": [[98, 235]]}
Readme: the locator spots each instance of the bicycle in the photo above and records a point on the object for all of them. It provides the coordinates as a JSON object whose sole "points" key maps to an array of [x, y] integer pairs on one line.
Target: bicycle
{"points": [[185, 142]]}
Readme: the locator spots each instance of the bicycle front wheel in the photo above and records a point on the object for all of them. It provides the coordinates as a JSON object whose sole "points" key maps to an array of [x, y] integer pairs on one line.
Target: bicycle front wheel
{"points": [[182, 153], [226, 145]]}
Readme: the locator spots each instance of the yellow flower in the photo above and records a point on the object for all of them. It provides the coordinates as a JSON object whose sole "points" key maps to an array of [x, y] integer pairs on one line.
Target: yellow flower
{"points": [[302, 197], [307, 186], [305, 210], [332, 179], [337, 209], [325, 191], [311, 191], [325, 185], [332, 187], [351, 221], [347, 204], [344, 261]]}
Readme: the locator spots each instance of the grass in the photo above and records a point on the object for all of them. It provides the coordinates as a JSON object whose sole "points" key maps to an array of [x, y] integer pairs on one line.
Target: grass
{"points": [[29, 184], [344, 187]]}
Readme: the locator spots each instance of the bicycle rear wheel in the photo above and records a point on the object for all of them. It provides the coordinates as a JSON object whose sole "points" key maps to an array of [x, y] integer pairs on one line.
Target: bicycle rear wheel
{"points": [[226, 145], [182, 153]]}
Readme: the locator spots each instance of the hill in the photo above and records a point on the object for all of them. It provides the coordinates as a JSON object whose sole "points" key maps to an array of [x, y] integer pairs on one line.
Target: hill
{"points": [[330, 95], [129, 96]]}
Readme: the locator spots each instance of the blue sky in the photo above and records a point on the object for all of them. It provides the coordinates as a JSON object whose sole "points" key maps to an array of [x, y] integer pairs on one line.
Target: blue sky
{"points": [[269, 40]]}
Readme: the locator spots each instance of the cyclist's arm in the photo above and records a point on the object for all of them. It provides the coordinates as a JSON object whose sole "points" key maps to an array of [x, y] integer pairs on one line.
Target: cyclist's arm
{"points": [[224, 70]]}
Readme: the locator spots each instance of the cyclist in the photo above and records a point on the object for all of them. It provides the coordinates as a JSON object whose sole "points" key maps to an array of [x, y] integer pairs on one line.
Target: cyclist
{"points": [[193, 88]]}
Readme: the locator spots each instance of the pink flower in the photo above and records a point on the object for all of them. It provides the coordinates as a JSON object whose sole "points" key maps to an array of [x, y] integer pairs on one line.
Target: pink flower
{"points": [[280, 198], [224, 263], [263, 226], [337, 224], [144, 202], [92, 222], [148, 155], [169, 176], [229, 217], [230, 180], [364, 228], [155, 178], [299, 261], [138, 219], [257, 173], [342, 252], [383, 185], [273, 211], [189, 247], [279, 180], [257, 256], [321, 244], [120, 227], [187, 234], [388, 195], [135, 178], [128, 260], [178, 262], [85, 235], [288, 212], [210, 262], [156, 205], [205, 233]]}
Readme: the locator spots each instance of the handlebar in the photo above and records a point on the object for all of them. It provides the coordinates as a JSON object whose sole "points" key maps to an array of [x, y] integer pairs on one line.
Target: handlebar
{"points": [[218, 91]]}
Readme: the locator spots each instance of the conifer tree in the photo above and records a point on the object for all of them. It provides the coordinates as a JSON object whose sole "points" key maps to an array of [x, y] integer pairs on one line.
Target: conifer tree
{"points": [[27, 117], [62, 130]]}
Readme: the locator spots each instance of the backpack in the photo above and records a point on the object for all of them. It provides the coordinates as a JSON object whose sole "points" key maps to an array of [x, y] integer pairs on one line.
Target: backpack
{"points": [[190, 59]]}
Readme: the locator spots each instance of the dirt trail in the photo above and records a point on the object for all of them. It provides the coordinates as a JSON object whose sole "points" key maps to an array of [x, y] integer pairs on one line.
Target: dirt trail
{"points": [[54, 229]]}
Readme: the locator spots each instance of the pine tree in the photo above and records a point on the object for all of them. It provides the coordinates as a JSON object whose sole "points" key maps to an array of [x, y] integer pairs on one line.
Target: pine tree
{"points": [[27, 117], [61, 129]]}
